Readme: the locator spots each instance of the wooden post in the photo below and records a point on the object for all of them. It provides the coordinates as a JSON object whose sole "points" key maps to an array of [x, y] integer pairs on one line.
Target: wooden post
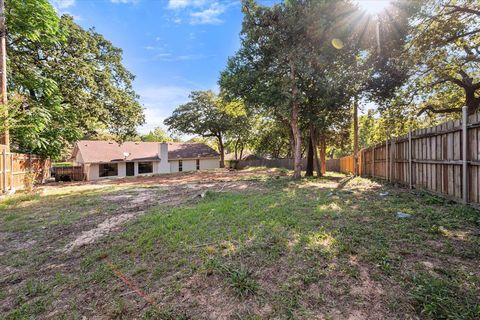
{"points": [[373, 161], [386, 160], [5, 136], [464, 154], [4, 169], [12, 184], [410, 160]]}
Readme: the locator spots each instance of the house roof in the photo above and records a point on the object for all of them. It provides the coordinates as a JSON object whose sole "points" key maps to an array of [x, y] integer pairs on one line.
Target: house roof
{"points": [[93, 151]]}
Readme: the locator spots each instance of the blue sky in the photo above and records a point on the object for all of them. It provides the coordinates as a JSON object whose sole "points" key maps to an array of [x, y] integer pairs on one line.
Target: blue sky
{"points": [[172, 46]]}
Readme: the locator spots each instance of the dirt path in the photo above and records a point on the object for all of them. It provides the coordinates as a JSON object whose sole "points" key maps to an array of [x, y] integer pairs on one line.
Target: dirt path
{"points": [[134, 202]]}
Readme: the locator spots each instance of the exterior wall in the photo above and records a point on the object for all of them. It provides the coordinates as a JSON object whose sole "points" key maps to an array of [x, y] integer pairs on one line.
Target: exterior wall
{"points": [[209, 164], [173, 166], [92, 170], [78, 159], [189, 165]]}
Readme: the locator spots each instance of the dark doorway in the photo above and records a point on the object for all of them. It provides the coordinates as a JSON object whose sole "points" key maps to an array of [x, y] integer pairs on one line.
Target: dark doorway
{"points": [[130, 168]]}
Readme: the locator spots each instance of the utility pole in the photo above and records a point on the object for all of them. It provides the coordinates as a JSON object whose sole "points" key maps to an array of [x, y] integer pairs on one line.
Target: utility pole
{"points": [[5, 137], [355, 136]]}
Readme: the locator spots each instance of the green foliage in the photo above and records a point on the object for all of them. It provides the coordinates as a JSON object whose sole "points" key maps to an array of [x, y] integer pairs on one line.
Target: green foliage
{"points": [[439, 298], [158, 135], [64, 82], [444, 49], [209, 116]]}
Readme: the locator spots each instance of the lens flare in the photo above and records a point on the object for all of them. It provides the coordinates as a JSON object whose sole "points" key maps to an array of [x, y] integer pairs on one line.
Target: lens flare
{"points": [[337, 43]]}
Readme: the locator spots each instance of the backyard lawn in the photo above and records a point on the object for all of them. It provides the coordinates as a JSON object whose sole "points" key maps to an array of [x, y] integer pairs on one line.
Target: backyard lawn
{"points": [[237, 245]]}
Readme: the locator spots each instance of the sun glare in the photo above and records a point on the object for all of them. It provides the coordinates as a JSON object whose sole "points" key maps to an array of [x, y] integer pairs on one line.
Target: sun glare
{"points": [[373, 6]]}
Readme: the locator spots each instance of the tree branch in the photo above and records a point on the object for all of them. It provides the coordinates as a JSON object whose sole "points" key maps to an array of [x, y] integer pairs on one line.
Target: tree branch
{"points": [[462, 9], [431, 109]]}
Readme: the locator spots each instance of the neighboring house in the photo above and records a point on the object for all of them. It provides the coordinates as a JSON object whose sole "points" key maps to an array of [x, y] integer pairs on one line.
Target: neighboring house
{"points": [[103, 159]]}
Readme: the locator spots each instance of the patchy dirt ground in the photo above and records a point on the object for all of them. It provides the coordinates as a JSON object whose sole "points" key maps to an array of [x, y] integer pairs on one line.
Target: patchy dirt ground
{"points": [[237, 245]]}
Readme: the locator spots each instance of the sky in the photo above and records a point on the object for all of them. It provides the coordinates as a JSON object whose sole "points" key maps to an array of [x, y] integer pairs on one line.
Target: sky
{"points": [[172, 46]]}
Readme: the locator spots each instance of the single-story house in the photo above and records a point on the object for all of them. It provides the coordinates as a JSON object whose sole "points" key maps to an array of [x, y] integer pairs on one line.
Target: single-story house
{"points": [[104, 159]]}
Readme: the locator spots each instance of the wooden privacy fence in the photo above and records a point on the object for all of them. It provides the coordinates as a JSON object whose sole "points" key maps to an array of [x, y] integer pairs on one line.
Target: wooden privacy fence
{"points": [[14, 167], [333, 165], [444, 159], [269, 163], [69, 173]]}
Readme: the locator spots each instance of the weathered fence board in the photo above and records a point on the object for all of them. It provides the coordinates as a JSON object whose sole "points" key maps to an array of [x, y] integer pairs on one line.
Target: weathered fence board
{"points": [[14, 167], [444, 159], [69, 173]]}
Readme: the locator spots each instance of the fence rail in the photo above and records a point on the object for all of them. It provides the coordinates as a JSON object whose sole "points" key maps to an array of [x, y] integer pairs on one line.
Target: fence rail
{"points": [[14, 167], [444, 159]]}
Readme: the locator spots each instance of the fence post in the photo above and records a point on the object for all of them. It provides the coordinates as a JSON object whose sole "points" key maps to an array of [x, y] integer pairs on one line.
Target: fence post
{"points": [[410, 160], [12, 186], [4, 177], [386, 160], [464, 154], [373, 161]]}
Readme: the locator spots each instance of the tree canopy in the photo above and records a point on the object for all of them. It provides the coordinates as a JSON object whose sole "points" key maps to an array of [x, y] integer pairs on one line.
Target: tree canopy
{"points": [[64, 82]]}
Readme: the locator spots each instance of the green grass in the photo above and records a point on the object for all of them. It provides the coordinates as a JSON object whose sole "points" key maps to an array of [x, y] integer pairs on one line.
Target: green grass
{"points": [[286, 250]]}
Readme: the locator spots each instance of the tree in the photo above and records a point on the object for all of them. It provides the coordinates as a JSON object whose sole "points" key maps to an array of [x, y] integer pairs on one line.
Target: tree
{"points": [[281, 46], [158, 135], [206, 115], [65, 82], [445, 49]]}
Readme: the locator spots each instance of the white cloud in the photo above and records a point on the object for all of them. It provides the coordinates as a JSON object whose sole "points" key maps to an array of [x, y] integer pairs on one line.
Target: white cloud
{"points": [[210, 15], [168, 57], [199, 11], [181, 4], [63, 4]]}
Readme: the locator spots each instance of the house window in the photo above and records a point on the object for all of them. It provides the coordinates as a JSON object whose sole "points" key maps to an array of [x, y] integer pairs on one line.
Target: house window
{"points": [[180, 166], [198, 164], [108, 170], [145, 167]]}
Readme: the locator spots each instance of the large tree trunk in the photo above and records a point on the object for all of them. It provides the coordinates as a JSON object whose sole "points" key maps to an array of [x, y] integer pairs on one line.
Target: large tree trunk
{"points": [[323, 154], [292, 144], [472, 102], [313, 137], [4, 130], [309, 170], [222, 151], [355, 136], [297, 139]]}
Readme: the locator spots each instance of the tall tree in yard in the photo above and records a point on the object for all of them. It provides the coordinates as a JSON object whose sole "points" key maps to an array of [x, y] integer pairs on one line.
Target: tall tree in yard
{"points": [[65, 82], [281, 45]]}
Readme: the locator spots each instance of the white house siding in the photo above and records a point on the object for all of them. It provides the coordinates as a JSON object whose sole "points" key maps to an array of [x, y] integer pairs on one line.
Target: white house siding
{"points": [[173, 166], [92, 170], [209, 164], [191, 165]]}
